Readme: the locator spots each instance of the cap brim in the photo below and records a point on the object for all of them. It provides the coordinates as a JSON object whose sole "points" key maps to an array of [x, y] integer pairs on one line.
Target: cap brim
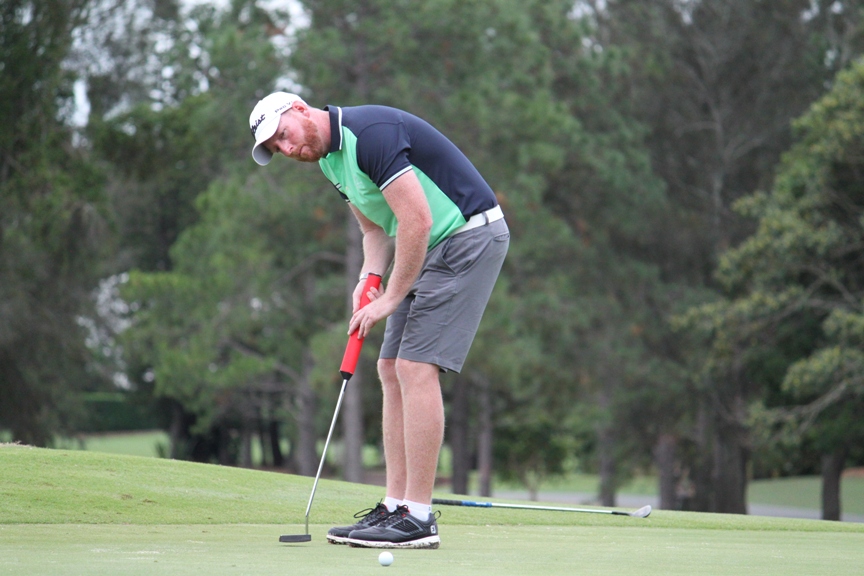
{"points": [[261, 155], [259, 152]]}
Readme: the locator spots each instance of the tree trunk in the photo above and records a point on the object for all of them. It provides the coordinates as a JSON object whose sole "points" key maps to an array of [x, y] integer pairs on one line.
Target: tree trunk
{"points": [[458, 435], [606, 454], [703, 486], [832, 472], [484, 436], [264, 442], [178, 433], [275, 446], [306, 454], [664, 459], [353, 434], [730, 472], [223, 446], [249, 417], [606, 450], [245, 458]]}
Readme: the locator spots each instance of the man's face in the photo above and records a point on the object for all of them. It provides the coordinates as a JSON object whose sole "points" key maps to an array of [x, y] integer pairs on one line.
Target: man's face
{"points": [[297, 137]]}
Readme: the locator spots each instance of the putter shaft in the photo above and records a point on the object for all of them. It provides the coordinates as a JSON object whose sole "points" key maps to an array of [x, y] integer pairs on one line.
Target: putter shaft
{"points": [[324, 453]]}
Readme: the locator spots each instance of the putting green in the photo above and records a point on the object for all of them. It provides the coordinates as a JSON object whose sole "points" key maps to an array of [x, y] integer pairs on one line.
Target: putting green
{"points": [[94, 550], [65, 513]]}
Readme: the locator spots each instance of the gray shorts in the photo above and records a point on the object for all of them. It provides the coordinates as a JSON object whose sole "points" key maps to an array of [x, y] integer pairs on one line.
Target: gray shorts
{"points": [[437, 321]]}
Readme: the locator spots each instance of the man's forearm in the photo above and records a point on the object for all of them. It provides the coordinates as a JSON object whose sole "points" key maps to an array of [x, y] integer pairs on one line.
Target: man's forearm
{"points": [[377, 252], [410, 254]]}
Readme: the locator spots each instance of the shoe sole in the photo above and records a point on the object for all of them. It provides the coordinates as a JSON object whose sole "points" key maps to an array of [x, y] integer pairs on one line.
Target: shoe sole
{"points": [[430, 542], [337, 539]]}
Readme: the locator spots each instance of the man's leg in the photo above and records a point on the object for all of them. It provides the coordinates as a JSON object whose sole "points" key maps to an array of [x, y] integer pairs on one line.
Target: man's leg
{"points": [[413, 426], [394, 455], [423, 417], [393, 429]]}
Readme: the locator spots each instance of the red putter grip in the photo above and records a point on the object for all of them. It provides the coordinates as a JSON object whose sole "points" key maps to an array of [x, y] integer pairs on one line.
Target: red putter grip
{"points": [[355, 343]]}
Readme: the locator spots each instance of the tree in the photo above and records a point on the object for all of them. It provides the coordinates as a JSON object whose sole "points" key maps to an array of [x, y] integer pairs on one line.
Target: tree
{"points": [[717, 83], [165, 137], [796, 286], [52, 224], [229, 332], [165, 134]]}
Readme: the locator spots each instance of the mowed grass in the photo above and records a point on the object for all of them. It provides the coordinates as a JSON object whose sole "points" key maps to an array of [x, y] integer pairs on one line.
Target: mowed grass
{"points": [[806, 491], [73, 512], [143, 443], [799, 492]]}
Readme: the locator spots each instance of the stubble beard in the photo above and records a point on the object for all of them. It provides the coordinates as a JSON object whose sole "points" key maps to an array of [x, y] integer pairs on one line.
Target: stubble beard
{"points": [[313, 149]]}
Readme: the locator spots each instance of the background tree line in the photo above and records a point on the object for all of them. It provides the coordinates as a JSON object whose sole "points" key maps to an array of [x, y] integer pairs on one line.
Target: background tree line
{"points": [[683, 183]]}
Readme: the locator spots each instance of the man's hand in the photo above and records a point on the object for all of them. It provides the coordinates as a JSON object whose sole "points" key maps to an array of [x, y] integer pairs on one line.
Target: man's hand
{"points": [[373, 295], [379, 307]]}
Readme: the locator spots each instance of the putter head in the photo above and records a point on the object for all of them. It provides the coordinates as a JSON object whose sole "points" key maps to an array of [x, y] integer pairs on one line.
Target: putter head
{"points": [[295, 538], [642, 512]]}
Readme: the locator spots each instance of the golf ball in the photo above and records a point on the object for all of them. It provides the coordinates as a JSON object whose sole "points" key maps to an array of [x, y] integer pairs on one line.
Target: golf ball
{"points": [[385, 558]]}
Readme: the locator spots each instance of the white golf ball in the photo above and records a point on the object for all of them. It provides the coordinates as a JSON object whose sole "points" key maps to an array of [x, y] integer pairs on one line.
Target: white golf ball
{"points": [[385, 558]]}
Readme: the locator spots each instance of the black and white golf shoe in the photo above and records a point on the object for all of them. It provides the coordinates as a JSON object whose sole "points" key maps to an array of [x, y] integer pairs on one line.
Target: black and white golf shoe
{"points": [[399, 530], [368, 518]]}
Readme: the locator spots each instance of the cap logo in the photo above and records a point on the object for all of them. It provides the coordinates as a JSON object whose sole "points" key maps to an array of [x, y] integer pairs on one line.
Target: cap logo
{"points": [[256, 124]]}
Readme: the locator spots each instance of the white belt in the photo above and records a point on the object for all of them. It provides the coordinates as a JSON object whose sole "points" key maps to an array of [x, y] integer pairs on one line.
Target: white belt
{"points": [[481, 219]]}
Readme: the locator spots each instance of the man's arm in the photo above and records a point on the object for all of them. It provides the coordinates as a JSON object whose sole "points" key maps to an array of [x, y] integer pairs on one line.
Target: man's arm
{"points": [[377, 251], [407, 200]]}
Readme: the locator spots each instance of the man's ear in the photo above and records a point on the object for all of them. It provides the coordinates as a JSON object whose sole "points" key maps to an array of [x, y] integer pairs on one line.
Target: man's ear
{"points": [[300, 107]]}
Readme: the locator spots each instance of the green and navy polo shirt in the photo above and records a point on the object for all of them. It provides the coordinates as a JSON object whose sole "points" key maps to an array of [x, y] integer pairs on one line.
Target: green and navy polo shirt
{"points": [[370, 146]]}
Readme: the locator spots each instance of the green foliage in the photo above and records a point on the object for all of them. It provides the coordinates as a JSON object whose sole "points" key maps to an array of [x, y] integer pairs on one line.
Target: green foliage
{"points": [[116, 411], [531, 450], [52, 225], [800, 274], [164, 150], [251, 287]]}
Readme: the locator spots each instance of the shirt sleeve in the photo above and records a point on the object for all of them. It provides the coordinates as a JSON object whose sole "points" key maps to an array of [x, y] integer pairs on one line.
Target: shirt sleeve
{"points": [[382, 152]]}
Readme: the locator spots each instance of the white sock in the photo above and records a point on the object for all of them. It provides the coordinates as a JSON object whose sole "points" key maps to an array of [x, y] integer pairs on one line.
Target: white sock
{"points": [[391, 503], [418, 510]]}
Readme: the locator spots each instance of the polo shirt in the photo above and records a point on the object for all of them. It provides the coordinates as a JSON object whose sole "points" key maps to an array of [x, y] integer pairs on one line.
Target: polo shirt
{"points": [[371, 146]]}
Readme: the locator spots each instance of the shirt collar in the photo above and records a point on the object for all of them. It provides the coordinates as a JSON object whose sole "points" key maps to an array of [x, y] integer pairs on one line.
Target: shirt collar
{"points": [[335, 128]]}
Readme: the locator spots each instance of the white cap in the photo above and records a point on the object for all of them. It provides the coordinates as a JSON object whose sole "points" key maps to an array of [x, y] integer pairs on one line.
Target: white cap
{"points": [[264, 121]]}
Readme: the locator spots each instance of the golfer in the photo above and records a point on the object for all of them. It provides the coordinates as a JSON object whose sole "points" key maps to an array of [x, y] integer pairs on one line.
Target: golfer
{"points": [[424, 209]]}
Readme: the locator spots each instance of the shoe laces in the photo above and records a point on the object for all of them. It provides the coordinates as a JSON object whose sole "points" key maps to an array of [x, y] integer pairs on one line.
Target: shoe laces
{"points": [[402, 512], [396, 516], [379, 508]]}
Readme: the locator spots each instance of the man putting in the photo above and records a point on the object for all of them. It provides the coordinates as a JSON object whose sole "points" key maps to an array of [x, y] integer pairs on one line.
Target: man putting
{"points": [[424, 208]]}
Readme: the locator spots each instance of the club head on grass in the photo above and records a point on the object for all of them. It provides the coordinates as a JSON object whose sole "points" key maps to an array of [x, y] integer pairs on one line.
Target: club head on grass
{"points": [[642, 512], [293, 538]]}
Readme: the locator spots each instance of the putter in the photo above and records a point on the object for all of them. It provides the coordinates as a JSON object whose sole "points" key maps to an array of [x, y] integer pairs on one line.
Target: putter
{"points": [[640, 513], [349, 364]]}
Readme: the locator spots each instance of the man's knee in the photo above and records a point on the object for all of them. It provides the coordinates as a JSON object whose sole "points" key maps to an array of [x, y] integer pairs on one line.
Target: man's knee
{"points": [[416, 372], [387, 371]]}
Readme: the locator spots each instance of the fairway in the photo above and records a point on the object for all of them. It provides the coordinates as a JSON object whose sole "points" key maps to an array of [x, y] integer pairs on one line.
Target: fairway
{"points": [[69, 512], [470, 550]]}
